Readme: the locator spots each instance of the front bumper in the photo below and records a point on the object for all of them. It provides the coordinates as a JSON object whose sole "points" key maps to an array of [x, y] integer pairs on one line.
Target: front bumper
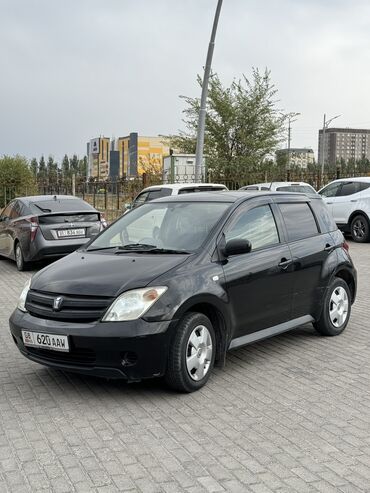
{"points": [[130, 350]]}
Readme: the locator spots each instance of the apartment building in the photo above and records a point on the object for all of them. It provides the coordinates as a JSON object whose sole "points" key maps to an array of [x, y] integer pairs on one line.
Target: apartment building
{"points": [[344, 144], [299, 156]]}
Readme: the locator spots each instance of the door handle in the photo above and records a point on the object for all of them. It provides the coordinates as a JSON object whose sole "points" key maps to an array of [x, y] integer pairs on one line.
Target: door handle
{"points": [[329, 203], [354, 200], [328, 247], [284, 263]]}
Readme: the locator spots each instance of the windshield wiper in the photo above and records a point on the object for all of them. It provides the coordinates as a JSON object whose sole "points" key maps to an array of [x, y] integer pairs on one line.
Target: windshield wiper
{"points": [[143, 248], [100, 248], [42, 209]]}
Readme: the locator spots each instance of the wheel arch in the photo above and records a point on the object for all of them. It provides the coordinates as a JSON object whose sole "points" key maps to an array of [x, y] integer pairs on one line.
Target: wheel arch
{"points": [[218, 318], [358, 213], [349, 279]]}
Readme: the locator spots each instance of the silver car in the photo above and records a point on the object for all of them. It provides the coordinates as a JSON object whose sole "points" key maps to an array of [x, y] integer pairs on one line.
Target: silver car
{"points": [[35, 228]]}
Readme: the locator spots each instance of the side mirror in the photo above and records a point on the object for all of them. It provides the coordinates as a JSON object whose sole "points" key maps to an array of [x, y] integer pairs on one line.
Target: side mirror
{"points": [[128, 206], [237, 247]]}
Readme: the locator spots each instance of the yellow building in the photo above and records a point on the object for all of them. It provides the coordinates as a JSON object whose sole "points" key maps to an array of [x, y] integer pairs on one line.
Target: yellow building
{"points": [[139, 154]]}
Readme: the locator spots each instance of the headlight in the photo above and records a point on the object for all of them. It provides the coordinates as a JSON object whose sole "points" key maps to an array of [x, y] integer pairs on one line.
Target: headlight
{"points": [[22, 299], [133, 304]]}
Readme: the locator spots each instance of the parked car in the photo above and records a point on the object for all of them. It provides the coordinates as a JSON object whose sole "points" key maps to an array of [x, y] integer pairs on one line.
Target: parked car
{"points": [[348, 200], [157, 191], [282, 186], [34, 228], [217, 271]]}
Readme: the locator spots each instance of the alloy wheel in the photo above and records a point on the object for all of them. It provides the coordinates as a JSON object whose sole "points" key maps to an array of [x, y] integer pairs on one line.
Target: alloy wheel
{"points": [[359, 228]]}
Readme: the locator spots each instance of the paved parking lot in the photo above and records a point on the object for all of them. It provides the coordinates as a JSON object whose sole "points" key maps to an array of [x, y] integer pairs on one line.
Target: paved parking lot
{"points": [[290, 414]]}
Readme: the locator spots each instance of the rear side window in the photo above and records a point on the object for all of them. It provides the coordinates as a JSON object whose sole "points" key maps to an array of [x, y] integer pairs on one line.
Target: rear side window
{"points": [[299, 220], [60, 205], [349, 188], [364, 186], [156, 194], [256, 225]]}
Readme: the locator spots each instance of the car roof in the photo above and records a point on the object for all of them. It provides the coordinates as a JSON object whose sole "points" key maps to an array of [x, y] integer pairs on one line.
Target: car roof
{"points": [[229, 196], [278, 183], [357, 178], [179, 186]]}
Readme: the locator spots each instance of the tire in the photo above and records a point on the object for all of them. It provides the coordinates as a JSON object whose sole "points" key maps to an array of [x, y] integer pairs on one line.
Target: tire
{"points": [[191, 354], [19, 258], [333, 322], [360, 229]]}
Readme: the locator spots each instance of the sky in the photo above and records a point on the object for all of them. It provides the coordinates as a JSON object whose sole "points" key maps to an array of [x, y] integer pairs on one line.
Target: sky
{"points": [[72, 70]]}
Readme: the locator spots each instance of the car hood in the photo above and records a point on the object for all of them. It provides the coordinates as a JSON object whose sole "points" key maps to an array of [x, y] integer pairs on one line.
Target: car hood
{"points": [[103, 274]]}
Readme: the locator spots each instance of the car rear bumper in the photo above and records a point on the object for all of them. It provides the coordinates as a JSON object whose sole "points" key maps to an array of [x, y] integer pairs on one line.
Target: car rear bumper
{"points": [[129, 350], [42, 248]]}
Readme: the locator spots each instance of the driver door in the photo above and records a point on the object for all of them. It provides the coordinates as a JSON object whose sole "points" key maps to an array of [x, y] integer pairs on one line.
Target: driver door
{"points": [[259, 283]]}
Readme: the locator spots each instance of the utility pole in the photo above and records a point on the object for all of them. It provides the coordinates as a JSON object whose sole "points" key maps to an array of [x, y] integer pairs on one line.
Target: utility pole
{"points": [[290, 121], [323, 144], [203, 100]]}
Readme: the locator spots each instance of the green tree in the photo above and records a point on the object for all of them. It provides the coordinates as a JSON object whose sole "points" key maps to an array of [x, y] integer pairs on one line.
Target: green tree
{"points": [[74, 164], [243, 124], [16, 178], [65, 167], [82, 167], [52, 171], [42, 173], [34, 167]]}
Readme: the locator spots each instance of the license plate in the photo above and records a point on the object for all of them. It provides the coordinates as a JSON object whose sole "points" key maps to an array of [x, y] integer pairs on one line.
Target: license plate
{"points": [[64, 233], [45, 341]]}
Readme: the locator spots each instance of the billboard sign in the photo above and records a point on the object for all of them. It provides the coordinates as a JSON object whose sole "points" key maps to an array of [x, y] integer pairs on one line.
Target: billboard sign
{"points": [[94, 146]]}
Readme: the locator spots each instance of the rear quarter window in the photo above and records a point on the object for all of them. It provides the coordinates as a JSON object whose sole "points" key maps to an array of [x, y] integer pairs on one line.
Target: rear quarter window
{"points": [[323, 216], [299, 220]]}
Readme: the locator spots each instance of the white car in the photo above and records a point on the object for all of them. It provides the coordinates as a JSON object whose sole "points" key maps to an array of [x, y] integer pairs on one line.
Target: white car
{"points": [[157, 191], [348, 200], [282, 186]]}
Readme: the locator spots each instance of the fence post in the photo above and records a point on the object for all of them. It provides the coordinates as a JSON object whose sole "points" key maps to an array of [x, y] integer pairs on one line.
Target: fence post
{"points": [[105, 196], [288, 175], [94, 195], [338, 173], [144, 180], [118, 185]]}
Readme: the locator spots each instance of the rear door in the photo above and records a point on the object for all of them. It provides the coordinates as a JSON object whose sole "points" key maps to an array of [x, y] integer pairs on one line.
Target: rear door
{"points": [[259, 283], [4, 229], [345, 201], [310, 248], [329, 193]]}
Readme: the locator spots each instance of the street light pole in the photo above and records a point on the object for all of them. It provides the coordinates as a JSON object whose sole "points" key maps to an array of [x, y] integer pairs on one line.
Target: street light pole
{"points": [[323, 146], [290, 121], [203, 100]]}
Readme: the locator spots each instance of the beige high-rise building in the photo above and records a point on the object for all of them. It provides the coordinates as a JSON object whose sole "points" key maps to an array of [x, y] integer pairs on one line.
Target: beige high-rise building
{"points": [[344, 143]]}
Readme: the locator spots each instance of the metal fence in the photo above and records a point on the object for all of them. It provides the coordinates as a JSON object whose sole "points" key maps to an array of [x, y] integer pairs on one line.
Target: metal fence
{"points": [[110, 197]]}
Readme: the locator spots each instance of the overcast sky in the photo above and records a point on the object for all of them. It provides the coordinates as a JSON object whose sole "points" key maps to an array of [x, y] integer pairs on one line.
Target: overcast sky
{"points": [[72, 70]]}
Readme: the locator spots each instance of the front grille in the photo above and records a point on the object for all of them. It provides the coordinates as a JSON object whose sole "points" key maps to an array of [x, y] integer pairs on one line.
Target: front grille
{"points": [[73, 308], [80, 356]]}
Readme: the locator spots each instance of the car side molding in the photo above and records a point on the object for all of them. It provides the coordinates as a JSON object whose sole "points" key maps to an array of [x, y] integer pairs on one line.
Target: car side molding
{"points": [[270, 331]]}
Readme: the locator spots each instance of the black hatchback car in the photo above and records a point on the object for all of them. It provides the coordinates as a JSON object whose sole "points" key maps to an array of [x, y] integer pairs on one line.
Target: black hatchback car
{"points": [[170, 287], [43, 226]]}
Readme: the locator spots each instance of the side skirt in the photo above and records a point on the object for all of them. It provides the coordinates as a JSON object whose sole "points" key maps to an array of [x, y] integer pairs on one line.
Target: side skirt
{"points": [[271, 331]]}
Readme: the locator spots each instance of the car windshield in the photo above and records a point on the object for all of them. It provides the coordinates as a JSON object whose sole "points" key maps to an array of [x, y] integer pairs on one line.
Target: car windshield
{"points": [[162, 227]]}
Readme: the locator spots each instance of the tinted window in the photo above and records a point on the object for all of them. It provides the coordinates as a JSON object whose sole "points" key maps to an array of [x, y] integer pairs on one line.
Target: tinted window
{"points": [[349, 188], [140, 199], [59, 205], [69, 218], [331, 190], [156, 194], [295, 188], [7, 211], [323, 215], [252, 187], [299, 220], [364, 186], [256, 225], [200, 189]]}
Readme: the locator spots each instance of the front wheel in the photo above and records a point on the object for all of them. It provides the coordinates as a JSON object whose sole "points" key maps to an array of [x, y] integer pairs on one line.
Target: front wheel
{"points": [[336, 309], [360, 229], [192, 353], [19, 258]]}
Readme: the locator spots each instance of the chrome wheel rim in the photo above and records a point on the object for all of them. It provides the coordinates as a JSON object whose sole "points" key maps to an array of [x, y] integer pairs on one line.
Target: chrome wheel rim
{"points": [[338, 307], [359, 228], [199, 352], [18, 256]]}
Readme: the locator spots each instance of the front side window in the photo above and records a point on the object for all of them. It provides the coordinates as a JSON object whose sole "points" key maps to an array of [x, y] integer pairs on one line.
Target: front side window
{"points": [[156, 194], [7, 211], [331, 190], [255, 225], [140, 199], [299, 220]]}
